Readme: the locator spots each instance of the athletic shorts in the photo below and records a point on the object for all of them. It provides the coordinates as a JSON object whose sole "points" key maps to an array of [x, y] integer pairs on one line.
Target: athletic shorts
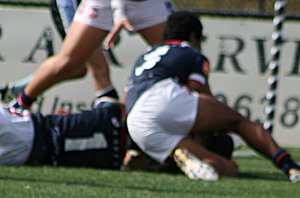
{"points": [[16, 137], [161, 117], [141, 14]]}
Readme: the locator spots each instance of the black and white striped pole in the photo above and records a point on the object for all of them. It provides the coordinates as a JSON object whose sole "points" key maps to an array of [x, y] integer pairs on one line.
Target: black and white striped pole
{"points": [[274, 65]]}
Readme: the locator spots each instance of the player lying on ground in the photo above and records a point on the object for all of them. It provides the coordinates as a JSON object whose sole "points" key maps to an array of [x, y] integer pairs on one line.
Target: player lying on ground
{"points": [[91, 138], [165, 109]]}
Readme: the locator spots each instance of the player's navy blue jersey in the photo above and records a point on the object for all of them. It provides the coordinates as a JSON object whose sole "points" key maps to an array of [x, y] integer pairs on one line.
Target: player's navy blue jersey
{"points": [[91, 138], [173, 59]]}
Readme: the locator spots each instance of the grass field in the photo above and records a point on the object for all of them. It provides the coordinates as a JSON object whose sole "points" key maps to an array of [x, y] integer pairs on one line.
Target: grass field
{"points": [[258, 178]]}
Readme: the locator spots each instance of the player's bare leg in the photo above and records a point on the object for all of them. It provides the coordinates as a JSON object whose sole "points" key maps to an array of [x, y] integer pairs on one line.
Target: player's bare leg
{"points": [[99, 69], [153, 35], [215, 116], [81, 41]]}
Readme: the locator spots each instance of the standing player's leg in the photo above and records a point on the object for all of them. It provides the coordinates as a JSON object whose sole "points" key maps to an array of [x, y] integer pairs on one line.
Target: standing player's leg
{"points": [[156, 13], [69, 63], [84, 37], [62, 13], [153, 35], [99, 68]]}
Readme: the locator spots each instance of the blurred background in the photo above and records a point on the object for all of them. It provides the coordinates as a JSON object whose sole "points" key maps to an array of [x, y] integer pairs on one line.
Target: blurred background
{"points": [[261, 8]]}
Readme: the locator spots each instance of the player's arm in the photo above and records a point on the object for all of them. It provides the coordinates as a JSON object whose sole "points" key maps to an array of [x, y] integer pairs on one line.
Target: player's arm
{"points": [[199, 81], [199, 87]]}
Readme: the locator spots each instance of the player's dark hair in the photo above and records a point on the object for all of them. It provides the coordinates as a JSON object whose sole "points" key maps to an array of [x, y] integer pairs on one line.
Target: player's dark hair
{"points": [[181, 25]]}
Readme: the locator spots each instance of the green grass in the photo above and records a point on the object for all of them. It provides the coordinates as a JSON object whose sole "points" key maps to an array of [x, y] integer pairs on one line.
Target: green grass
{"points": [[258, 178]]}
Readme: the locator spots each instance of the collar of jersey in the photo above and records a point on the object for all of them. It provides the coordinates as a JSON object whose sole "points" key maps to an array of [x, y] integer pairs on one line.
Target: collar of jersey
{"points": [[178, 42]]}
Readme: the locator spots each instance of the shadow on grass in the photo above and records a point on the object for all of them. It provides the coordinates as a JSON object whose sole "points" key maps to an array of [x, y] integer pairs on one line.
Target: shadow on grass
{"points": [[262, 176]]}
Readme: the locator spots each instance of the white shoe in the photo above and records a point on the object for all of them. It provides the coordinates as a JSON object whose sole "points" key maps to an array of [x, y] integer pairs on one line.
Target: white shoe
{"points": [[294, 175], [193, 167]]}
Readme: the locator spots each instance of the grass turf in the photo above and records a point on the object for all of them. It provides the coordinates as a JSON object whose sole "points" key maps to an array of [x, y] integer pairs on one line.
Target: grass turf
{"points": [[258, 178]]}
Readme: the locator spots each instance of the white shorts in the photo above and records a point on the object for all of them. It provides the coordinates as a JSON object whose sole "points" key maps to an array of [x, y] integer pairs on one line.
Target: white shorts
{"points": [[162, 117], [141, 14], [16, 138]]}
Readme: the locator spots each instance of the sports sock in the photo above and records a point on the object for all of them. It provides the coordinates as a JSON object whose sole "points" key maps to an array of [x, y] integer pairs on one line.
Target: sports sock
{"points": [[107, 92], [282, 159], [23, 101]]}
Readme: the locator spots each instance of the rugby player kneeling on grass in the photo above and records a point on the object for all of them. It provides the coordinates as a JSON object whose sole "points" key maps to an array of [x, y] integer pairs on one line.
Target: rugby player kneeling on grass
{"points": [[92, 138], [169, 100]]}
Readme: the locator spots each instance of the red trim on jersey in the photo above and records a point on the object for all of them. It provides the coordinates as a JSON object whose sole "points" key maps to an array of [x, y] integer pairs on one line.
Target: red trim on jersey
{"points": [[176, 42]]}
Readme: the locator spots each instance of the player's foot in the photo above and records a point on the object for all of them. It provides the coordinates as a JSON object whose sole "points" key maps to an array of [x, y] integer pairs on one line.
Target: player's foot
{"points": [[193, 167], [294, 175], [5, 94], [16, 108]]}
